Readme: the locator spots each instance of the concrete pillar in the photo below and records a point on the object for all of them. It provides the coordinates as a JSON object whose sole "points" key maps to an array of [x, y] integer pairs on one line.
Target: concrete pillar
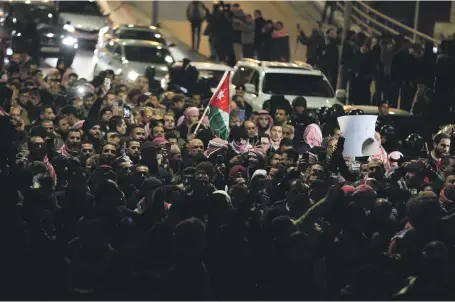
{"points": [[452, 12]]}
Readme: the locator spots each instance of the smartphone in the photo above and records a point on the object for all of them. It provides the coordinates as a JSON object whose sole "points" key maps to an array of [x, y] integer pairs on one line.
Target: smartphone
{"points": [[355, 166], [126, 112], [107, 83], [242, 115]]}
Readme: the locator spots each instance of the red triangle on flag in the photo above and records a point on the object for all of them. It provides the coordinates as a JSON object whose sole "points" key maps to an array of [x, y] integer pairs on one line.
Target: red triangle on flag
{"points": [[220, 98]]}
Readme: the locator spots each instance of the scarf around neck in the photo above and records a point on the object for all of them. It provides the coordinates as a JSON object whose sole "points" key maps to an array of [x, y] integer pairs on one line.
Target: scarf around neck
{"points": [[240, 148]]}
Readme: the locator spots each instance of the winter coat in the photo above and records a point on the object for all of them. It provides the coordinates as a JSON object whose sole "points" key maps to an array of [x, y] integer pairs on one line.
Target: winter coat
{"points": [[247, 32], [195, 11]]}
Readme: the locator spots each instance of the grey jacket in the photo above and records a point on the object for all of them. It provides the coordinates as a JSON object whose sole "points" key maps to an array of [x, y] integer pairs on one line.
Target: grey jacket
{"points": [[195, 11], [247, 32]]}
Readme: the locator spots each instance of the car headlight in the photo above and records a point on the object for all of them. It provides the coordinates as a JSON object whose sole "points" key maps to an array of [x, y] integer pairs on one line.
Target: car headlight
{"points": [[69, 41], [132, 75], [69, 28], [9, 52], [163, 83], [169, 59]]}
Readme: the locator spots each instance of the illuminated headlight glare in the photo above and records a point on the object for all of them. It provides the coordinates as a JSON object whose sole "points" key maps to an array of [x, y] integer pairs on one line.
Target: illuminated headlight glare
{"points": [[80, 90], [50, 35], [69, 41], [69, 28], [163, 83], [169, 59], [9, 52], [76, 46], [132, 75], [50, 15], [157, 36]]}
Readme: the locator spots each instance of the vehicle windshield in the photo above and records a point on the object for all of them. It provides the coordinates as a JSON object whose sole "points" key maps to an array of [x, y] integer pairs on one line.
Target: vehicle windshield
{"points": [[139, 35], [147, 54], [80, 7], [41, 14], [296, 84], [212, 77]]}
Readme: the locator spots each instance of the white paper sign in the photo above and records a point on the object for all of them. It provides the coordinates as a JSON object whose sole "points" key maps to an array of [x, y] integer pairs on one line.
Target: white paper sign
{"points": [[358, 131]]}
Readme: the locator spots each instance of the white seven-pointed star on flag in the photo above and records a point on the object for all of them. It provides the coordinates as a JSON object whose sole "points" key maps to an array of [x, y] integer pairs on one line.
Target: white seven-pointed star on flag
{"points": [[220, 95]]}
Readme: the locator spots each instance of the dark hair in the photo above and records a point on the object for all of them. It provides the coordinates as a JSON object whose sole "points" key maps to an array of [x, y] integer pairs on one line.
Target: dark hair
{"points": [[134, 126], [87, 142], [291, 153], [277, 152], [74, 130], [112, 144], [153, 123], [287, 142], [208, 167], [238, 132], [169, 135], [281, 170], [73, 74], [118, 88], [131, 141], [299, 101], [43, 108], [38, 131], [69, 110], [46, 120], [178, 98], [445, 161], [114, 122], [112, 133], [104, 111], [58, 118], [440, 137]]}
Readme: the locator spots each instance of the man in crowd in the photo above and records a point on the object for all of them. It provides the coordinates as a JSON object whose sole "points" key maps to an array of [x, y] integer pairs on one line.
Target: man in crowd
{"points": [[152, 210]]}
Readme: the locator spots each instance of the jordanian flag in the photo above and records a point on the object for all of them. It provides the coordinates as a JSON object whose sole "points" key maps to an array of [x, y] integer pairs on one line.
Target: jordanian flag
{"points": [[218, 111]]}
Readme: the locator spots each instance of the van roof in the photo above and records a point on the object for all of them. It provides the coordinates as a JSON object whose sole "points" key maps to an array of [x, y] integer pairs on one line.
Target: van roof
{"points": [[280, 66]]}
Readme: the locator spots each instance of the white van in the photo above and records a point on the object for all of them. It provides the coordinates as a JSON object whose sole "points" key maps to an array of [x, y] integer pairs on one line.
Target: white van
{"points": [[262, 79]]}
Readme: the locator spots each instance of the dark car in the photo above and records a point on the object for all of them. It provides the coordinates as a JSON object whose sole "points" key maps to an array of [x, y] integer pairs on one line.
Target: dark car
{"points": [[54, 41]]}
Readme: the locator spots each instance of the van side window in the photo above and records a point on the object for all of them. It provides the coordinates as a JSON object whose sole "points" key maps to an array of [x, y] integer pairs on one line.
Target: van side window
{"points": [[242, 75], [254, 79]]}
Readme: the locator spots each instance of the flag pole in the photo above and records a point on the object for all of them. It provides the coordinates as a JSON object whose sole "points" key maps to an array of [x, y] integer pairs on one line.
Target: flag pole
{"points": [[200, 120], [207, 108]]}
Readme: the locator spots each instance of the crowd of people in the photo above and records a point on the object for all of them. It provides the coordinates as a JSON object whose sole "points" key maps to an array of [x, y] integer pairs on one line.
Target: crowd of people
{"points": [[234, 34], [109, 192], [403, 72]]}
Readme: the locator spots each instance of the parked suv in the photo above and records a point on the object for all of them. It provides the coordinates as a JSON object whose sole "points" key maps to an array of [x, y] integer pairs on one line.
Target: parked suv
{"points": [[262, 79]]}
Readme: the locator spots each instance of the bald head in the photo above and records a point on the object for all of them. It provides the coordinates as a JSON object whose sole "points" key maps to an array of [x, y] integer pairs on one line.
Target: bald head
{"points": [[196, 147]]}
